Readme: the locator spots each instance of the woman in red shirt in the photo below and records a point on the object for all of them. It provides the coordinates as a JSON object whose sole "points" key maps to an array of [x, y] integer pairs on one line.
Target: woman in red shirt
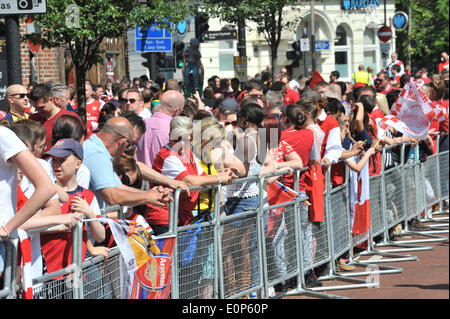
{"points": [[302, 141]]}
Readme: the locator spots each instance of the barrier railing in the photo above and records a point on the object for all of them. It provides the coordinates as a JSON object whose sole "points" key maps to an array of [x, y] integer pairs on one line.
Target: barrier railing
{"points": [[234, 256]]}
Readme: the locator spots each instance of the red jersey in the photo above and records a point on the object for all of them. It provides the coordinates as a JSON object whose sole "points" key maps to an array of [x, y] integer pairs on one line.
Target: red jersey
{"points": [[48, 124], [302, 141], [57, 248], [291, 97], [92, 115]]}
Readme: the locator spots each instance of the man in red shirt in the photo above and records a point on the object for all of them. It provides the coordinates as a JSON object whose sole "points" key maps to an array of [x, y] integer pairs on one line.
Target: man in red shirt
{"points": [[290, 96], [382, 83], [42, 99]]}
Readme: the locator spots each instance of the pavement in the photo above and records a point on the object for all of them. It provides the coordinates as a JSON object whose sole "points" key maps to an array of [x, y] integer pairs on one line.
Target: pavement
{"points": [[427, 277]]}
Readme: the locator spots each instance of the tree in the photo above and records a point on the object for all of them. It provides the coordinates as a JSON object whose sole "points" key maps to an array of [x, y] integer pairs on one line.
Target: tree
{"points": [[268, 18], [83, 24], [429, 35]]}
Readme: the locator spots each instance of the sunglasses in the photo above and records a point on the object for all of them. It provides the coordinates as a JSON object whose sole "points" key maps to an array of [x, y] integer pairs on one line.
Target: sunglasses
{"points": [[21, 95], [234, 123], [128, 100]]}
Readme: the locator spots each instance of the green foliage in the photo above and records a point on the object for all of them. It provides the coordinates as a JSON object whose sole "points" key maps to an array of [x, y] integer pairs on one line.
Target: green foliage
{"points": [[268, 17], [83, 24], [429, 35]]}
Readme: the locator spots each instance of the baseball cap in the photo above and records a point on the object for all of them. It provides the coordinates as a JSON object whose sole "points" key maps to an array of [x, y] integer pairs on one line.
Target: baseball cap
{"points": [[65, 147], [229, 104]]}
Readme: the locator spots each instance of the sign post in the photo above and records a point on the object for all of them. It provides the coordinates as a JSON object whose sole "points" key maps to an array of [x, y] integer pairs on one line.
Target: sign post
{"points": [[240, 68]]}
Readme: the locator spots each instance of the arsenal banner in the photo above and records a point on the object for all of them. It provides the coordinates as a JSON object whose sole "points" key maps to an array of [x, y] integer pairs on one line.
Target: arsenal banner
{"points": [[148, 261]]}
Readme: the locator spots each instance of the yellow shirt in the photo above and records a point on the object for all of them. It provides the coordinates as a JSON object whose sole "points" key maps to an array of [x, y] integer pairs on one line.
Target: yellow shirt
{"points": [[204, 195], [361, 77]]}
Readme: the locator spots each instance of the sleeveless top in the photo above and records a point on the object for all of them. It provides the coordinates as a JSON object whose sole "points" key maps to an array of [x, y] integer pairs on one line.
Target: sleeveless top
{"points": [[247, 189]]}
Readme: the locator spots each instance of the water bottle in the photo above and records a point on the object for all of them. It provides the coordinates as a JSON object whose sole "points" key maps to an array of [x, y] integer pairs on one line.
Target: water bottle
{"points": [[411, 155]]}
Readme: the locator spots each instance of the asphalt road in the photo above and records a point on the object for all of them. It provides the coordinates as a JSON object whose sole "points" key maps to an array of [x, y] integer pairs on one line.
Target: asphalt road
{"points": [[424, 278]]}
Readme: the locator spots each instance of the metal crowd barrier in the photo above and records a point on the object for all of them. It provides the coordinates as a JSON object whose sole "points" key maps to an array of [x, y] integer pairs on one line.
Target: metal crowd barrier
{"points": [[233, 257]]}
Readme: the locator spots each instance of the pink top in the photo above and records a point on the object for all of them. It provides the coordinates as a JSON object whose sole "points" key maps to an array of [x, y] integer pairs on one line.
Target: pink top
{"points": [[155, 137]]}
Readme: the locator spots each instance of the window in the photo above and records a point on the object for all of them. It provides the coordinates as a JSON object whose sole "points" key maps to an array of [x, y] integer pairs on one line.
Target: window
{"points": [[227, 51], [370, 49], [342, 53]]}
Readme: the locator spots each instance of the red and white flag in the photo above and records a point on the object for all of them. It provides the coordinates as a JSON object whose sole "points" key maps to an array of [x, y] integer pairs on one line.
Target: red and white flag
{"points": [[360, 200], [25, 264], [412, 112]]}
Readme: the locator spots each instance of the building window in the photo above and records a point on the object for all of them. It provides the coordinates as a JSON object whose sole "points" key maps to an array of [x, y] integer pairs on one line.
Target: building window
{"points": [[342, 53], [227, 51], [370, 49]]}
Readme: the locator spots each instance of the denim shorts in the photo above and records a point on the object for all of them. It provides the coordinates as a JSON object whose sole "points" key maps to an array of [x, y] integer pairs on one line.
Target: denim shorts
{"points": [[236, 205]]}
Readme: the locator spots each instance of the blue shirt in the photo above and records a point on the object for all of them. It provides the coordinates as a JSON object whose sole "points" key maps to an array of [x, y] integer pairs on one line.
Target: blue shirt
{"points": [[100, 164]]}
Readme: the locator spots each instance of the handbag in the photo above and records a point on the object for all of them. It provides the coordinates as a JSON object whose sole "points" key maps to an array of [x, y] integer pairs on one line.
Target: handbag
{"points": [[315, 186]]}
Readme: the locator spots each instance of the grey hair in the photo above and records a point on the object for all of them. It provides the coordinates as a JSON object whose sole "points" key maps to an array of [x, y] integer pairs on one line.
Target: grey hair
{"points": [[58, 89], [274, 99], [180, 126]]}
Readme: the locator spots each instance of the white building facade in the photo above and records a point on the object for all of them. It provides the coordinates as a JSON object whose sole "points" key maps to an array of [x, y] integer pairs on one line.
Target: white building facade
{"points": [[346, 32]]}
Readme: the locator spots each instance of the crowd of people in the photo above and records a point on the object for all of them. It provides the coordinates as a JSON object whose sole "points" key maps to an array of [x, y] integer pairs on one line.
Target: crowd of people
{"points": [[140, 140]]}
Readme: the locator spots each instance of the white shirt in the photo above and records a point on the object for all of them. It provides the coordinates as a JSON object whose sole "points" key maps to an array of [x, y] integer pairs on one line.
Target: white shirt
{"points": [[145, 114], [333, 147], [28, 188], [10, 145]]}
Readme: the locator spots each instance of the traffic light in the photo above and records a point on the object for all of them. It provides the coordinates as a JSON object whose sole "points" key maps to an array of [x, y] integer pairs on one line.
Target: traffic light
{"points": [[295, 54], [178, 50], [164, 62], [161, 60], [201, 25]]}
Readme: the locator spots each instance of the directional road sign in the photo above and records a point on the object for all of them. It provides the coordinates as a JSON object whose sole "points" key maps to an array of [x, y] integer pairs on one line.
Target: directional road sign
{"points": [[322, 45], [153, 39]]}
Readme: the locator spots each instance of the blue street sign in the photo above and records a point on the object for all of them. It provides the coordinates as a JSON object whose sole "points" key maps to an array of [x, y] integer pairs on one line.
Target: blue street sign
{"points": [[182, 27], [400, 20], [153, 39], [322, 45]]}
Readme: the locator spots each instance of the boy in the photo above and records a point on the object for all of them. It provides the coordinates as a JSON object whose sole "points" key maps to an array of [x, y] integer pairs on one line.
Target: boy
{"points": [[67, 156]]}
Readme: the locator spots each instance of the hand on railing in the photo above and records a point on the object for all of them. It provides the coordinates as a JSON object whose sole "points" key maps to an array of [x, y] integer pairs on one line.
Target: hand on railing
{"points": [[160, 196], [226, 176], [174, 184]]}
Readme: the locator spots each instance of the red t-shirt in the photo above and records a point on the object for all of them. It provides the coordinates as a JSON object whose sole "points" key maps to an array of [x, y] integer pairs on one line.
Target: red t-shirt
{"points": [[291, 97], [302, 141], [48, 124], [171, 164], [92, 114], [57, 248]]}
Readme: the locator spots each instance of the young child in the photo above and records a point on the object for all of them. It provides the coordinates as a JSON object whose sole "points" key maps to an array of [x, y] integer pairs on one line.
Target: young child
{"points": [[67, 156]]}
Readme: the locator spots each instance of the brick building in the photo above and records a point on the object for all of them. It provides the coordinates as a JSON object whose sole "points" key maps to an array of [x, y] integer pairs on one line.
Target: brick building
{"points": [[54, 64]]}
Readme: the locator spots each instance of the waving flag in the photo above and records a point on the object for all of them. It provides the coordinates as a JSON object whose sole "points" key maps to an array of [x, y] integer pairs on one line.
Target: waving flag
{"points": [[360, 201], [412, 112], [316, 79], [277, 193]]}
